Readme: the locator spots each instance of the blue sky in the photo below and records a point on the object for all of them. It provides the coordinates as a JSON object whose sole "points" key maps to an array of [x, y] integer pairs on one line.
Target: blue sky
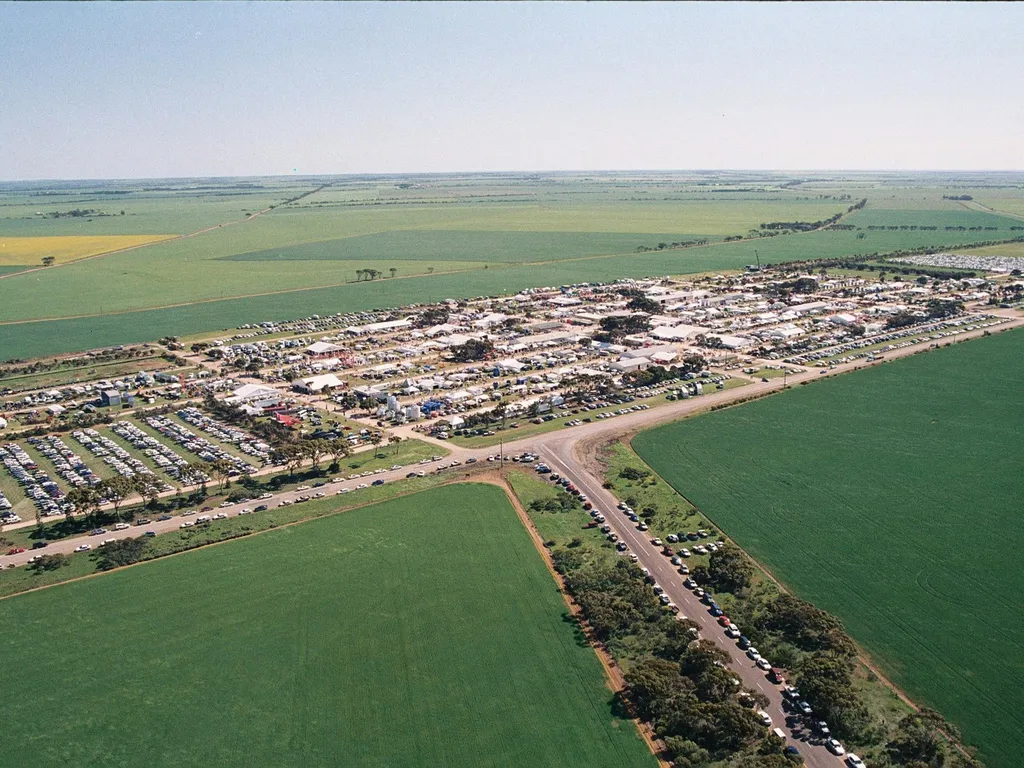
{"points": [[121, 90]]}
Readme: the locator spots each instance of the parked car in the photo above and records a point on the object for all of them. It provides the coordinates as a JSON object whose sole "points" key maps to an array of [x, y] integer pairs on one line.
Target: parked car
{"points": [[835, 747]]}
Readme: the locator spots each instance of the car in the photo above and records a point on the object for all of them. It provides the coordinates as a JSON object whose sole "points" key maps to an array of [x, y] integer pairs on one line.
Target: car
{"points": [[716, 610], [470, 460], [149, 534], [683, 552], [378, 481], [690, 584], [835, 747], [411, 474], [723, 621], [38, 544], [791, 750], [189, 512], [684, 569], [164, 517], [245, 511], [621, 546], [822, 727], [303, 488], [361, 486], [791, 693], [221, 516], [775, 676], [260, 508], [804, 707], [97, 531], [187, 524], [763, 663], [671, 538], [752, 653], [733, 632], [766, 719], [744, 642], [266, 495], [321, 494], [343, 491], [656, 542], [643, 527], [121, 527], [854, 762], [665, 599], [225, 504], [16, 551], [83, 548], [143, 521]]}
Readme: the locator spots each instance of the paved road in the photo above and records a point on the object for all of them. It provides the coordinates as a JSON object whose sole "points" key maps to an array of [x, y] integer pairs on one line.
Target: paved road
{"points": [[671, 581]]}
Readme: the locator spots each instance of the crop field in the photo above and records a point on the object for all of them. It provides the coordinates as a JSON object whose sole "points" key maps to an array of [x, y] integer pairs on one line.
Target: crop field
{"points": [[429, 238], [889, 497], [388, 635], [29, 251]]}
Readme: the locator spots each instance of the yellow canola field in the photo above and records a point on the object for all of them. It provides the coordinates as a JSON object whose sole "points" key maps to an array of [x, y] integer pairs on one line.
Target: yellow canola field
{"points": [[30, 251]]}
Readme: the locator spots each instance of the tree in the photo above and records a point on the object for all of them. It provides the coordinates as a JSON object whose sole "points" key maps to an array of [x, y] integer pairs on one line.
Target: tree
{"points": [[729, 570], [221, 469], [618, 326], [315, 450], [116, 490], [472, 350], [393, 271], [337, 449], [84, 499], [376, 438], [432, 316], [48, 261], [394, 440], [148, 487], [643, 304], [195, 474], [290, 456], [51, 563], [120, 552]]}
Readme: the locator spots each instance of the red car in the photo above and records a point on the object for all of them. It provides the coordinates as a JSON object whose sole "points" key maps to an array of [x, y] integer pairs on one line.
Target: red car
{"points": [[776, 676], [17, 551], [723, 621]]}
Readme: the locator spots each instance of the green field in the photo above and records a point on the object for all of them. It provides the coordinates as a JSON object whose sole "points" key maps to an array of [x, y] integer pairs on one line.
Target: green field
{"points": [[390, 635], [889, 497], [445, 237]]}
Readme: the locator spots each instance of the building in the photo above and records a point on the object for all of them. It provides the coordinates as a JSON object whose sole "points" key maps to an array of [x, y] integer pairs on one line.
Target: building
{"points": [[110, 398], [315, 384]]}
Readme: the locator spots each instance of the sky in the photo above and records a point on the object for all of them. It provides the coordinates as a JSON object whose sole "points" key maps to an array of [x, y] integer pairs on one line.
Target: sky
{"points": [[152, 90]]}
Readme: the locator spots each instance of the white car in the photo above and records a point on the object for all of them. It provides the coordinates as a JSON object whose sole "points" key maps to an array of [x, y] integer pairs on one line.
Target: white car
{"points": [[763, 663], [245, 511], [221, 516], [835, 747], [854, 762], [656, 542], [266, 495], [187, 524], [343, 491], [766, 719], [83, 548], [121, 527]]}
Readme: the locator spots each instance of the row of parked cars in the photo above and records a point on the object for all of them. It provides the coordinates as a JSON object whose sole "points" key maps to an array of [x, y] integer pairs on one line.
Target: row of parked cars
{"points": [[113, 455], [201, 447], [162, 455], [48, 497], [226, 433]]}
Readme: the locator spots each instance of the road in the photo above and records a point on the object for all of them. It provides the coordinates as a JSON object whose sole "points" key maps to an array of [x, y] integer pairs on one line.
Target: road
{"points": [[666, 575], [572, 452]]}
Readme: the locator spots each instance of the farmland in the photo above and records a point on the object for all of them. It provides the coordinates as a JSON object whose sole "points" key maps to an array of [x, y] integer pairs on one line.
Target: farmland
{"points": [[888, 497], [386, 635], [29, 251], [429, 238]]}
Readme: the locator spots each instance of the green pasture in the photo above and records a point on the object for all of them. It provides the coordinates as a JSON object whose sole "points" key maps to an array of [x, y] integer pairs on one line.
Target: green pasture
{"points": [[114, 297], [891, 498], [421, 631]]}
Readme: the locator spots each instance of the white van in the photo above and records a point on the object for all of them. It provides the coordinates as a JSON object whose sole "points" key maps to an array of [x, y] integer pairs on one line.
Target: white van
{"points": [[780, 733]]}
